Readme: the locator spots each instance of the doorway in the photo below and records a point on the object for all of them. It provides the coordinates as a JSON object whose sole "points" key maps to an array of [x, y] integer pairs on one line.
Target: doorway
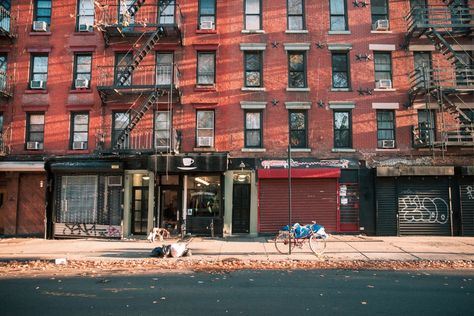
{"points": [[170, 206], [139, 210], [241, 208]]}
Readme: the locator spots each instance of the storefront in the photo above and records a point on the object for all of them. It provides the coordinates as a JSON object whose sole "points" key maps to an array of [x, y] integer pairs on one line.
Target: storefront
{"points": [[414, 200], [466, 200], [189, 191], [85, 198], [318, 194]]}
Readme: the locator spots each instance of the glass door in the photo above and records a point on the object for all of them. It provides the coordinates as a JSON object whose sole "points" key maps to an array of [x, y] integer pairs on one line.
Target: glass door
{"points": [[170, 215], [139, 210]]}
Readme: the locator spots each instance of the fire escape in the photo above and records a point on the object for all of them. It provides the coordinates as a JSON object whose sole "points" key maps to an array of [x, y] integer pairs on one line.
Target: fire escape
{"points": [[446, 27], [6, 92], [142, 26]]}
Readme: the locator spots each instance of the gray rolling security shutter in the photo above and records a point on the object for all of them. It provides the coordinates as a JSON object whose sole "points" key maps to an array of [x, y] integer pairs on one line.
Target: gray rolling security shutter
{"points": [[387, 207], [424, 206], [467, 209]]}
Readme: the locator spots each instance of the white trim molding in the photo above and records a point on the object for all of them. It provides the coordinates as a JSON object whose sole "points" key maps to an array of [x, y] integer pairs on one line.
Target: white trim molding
{"points": [[385, 106], [340, 105], [339, 46], [343, 150], [299, 150], [339, 32], [298, 105], [296, 31], [253, 105], [253, 150], [253, 46], [252, 89], [297, 46], [382, 47]]}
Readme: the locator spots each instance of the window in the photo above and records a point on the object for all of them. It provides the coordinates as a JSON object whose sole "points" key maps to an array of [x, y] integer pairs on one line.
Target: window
{"points": [[342, 129], [85, 15], [39, 71], [162, 129], [43, 11], [207, 14], [340, 71], [79, 130], [35, 130], [78, 200], [206, 68], [296, 70], [82, 70], [204, 196], [253, 19], [205, 128], [119, 124], [121, 71], [383, 66], [298, 132], [422, 67], [3, 72], [253, 69], [124, 15], [166, 14], [385, 129], [338, 19], [296, 15], [5, 18], [164, 68], [253, 129], [427, 126], [379, 10]]}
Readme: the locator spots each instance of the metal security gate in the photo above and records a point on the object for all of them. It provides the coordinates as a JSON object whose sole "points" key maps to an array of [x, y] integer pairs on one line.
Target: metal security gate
{"points": [[424, 206], [312, 200], [387, 207], [467, 209]]}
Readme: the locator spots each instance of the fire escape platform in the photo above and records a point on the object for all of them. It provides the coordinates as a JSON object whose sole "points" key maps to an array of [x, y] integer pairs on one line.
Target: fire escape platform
{"points": [[172, 32], [113, 94]]}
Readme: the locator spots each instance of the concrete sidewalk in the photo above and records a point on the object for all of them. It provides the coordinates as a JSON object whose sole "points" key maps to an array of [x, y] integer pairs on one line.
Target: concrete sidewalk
{"points": [[339, 248]]}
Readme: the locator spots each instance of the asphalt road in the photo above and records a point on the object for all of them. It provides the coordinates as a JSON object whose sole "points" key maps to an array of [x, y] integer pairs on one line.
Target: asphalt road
{"points": [[314, 292]]}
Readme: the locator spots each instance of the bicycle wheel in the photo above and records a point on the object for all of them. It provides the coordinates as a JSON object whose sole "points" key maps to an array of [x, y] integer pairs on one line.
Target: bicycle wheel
{"points": [[281, 242], [317, 244]]}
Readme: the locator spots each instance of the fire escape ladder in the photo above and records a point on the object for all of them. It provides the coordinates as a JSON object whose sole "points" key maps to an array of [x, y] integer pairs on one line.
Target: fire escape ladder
{"points": [[445, 48], [448, 2], [134, 7], [140, 112]]}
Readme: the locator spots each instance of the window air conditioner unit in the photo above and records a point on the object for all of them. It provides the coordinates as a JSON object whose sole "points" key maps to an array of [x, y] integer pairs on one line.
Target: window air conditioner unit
{"points": [[206, 25], [40, 26], [81, 83], [79, 145], [85, 28], [114, 181], [33, 145], [381, 25], [204, 141], [383, 84], [388, 143], [37, 84]]}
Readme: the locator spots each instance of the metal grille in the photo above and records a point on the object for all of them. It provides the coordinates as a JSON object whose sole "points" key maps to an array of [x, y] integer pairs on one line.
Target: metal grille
{"points": [[467, 209], [78, 202], [349, 203], [387, 208]]}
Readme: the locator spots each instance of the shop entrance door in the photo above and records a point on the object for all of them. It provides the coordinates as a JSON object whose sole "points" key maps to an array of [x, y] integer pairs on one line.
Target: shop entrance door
{"points": [[139, 210], [241, 209], [170, 206]]}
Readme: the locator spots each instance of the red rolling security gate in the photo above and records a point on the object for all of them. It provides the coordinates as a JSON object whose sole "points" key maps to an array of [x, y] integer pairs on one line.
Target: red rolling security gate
{"points": [[314, 197]]}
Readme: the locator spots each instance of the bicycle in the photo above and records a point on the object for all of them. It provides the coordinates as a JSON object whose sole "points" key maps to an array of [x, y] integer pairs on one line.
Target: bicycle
{"points": [[317, 241]]}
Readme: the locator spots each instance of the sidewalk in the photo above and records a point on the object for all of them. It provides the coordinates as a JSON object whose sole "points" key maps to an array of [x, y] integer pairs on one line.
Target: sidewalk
{"points": [[339, 248]]}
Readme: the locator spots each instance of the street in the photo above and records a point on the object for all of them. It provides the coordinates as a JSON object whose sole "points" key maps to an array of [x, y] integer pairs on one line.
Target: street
{"points": [[276, 292]]}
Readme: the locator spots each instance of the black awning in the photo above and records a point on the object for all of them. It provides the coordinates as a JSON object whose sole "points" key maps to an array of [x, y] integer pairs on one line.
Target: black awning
{"points": [[87, 167], [189, 163]]}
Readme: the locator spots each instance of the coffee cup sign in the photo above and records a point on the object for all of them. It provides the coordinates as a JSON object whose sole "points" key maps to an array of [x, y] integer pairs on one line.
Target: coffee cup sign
{"points": [[188, 162]]}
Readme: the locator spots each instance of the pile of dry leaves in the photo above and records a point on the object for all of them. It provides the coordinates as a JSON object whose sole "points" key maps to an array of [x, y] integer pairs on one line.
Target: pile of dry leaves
{"points": [[84, 267]]}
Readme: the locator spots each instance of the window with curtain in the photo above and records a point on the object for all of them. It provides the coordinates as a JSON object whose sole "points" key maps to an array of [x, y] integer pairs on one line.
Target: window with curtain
{"points": [[205, 128], [340, 70], [207, 14], [253, 69], [43, 11], [206, 68], [253, 129], [383, 65], [162, 130], [385, 126], [342, 129], [79, 129], [253, 17], [83, 68], [298, 129], [35, 128], [296, 70], [379, 11], [85, 14]]}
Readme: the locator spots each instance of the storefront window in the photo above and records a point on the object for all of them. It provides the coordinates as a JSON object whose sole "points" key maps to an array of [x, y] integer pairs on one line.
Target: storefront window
{"points": [[78, 199], [204, 196]]}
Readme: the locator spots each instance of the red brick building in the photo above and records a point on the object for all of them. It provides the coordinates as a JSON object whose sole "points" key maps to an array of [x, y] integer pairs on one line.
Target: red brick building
{"points": [[125, 115]]}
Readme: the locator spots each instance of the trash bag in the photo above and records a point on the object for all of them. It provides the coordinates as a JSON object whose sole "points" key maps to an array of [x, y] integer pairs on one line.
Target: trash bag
{"points": [[177, 250], [166, 251], [157, 252]]}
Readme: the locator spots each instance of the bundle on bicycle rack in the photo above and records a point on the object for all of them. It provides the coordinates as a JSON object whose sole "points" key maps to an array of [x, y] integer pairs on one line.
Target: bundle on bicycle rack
{"points": [[296, 235], [305, 231]]}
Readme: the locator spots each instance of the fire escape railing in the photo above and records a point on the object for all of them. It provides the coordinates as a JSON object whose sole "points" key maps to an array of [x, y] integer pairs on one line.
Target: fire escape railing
{"points": [[129, 18], [6, 28]]}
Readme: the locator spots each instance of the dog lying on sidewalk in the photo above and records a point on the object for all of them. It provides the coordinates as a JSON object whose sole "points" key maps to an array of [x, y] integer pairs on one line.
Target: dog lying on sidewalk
{"points": [[160, 233]]}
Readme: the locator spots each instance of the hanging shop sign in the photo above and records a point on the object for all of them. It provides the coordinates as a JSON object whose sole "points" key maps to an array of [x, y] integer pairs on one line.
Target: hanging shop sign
{"points": [[308, 163], [215, 162]]}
